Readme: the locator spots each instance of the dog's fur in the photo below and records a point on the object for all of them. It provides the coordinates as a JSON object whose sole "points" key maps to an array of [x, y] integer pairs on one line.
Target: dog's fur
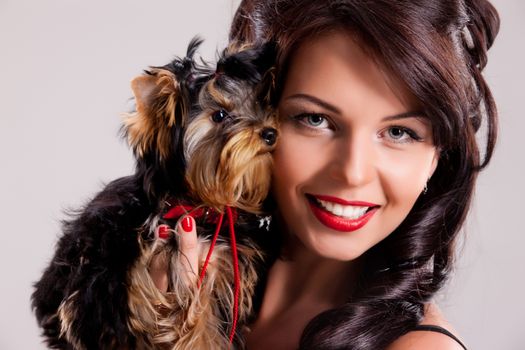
{"points": [[97, 292]]}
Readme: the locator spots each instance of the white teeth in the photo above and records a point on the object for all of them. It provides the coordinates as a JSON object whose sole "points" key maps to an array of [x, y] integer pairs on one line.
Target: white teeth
{"points": [[346, 211], [338, 209]]}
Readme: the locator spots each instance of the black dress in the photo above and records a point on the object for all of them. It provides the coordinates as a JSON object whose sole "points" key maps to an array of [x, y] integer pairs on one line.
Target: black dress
{"points": [[432, 328]]}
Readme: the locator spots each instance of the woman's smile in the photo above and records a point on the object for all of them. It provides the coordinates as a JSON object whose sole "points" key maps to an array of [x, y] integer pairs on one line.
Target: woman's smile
{"points": [[354, 153], [339, 214], [341, 207]]}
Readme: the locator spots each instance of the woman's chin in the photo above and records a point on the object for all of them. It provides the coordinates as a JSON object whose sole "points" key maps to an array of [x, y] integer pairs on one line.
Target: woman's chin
{"points": [[333, 249]]}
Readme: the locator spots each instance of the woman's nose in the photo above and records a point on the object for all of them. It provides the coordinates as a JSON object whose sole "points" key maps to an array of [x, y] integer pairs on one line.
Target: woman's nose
{"points": [[355, 162]]}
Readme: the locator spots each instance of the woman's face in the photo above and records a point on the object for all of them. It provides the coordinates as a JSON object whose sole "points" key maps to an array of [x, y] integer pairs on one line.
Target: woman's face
{"points": [[353, 153]]}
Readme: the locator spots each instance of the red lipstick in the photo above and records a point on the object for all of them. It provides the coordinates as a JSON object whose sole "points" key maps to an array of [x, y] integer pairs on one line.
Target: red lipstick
{"points": [[338, 223]]}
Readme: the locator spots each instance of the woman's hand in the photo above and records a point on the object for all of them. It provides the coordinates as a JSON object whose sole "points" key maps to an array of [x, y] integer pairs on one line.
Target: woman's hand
{"points": [[189, 253]]}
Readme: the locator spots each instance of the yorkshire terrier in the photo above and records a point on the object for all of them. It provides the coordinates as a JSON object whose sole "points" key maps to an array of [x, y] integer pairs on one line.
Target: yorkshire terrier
{"points": [[202, 139]]}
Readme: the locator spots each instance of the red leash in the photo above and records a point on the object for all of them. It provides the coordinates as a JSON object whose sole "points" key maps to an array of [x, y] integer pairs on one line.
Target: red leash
{"points": [[235, 274], [179, 210], [212, 245]]}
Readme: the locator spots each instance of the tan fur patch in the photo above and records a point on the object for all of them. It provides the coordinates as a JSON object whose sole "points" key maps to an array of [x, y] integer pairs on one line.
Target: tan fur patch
{"points": [[67, 313], [188, 317], [236, 174], [158, 102]]}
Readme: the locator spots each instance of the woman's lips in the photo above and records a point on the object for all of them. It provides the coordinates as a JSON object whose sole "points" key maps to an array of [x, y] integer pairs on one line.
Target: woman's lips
{"points": [[336, 222]]}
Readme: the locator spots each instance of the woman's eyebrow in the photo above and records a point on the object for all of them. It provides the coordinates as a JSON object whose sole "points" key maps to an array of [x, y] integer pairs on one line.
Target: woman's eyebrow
{"points": [[410, 114], [316, 101], [334, 109]]}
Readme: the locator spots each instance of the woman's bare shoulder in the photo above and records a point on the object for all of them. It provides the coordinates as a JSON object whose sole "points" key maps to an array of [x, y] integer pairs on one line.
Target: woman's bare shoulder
{"points": [[429, 340]]}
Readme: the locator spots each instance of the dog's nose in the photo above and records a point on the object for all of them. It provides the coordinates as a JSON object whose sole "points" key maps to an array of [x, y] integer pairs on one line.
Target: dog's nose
{"points": [[269, 135]]}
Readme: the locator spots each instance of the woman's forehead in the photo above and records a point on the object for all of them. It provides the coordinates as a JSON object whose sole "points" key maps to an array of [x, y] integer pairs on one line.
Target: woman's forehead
{"points": [[336, 69]]}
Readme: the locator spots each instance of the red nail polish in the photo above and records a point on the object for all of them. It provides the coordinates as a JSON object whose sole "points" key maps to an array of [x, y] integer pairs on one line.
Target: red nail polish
{"points": [[187, 224], [163, 231]]}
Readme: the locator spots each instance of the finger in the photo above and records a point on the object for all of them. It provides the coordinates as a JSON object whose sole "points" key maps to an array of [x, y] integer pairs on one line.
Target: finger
{"points": [[189, 248], [158, 267]]}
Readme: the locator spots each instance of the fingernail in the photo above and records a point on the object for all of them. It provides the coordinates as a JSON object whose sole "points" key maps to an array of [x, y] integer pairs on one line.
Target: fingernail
{"points": [[187, 224], [164, 231]]}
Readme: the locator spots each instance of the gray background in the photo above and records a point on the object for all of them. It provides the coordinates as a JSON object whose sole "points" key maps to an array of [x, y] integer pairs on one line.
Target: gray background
{"points": [[64, 80]]}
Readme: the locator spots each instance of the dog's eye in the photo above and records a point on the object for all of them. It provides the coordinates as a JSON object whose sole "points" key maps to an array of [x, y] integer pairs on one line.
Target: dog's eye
{"points": [[219, 116]]}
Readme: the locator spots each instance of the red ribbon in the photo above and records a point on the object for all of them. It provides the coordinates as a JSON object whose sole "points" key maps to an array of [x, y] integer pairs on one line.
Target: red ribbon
{"points": [[213, 216]]}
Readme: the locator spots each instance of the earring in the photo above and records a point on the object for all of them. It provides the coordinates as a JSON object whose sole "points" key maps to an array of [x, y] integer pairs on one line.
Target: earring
{"points": [[425, 189]]}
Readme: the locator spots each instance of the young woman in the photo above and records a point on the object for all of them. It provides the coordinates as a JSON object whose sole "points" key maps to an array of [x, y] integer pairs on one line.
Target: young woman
{"points": [[375, 167]]}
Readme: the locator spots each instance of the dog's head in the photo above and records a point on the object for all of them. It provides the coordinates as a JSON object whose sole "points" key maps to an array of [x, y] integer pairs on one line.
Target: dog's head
{"points": [[206, 132], [230, 136]]}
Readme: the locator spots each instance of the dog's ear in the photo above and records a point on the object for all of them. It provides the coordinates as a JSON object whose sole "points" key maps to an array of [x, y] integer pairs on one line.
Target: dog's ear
{"points": [[254, 64], [143, 88], [247, 63], [160, 106]]}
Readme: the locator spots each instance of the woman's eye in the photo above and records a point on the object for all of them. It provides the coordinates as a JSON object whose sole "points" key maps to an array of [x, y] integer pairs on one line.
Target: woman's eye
{"points": [[396, 133], [312, 120], [400, 134]]}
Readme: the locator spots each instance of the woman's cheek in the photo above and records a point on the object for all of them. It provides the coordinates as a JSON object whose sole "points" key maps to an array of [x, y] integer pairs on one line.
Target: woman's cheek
{"points": [[297, 157], [403, 174]]}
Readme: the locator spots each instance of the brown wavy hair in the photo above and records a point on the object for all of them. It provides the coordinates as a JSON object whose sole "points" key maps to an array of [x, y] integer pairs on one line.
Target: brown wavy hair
{"points": [[438, 49]]}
